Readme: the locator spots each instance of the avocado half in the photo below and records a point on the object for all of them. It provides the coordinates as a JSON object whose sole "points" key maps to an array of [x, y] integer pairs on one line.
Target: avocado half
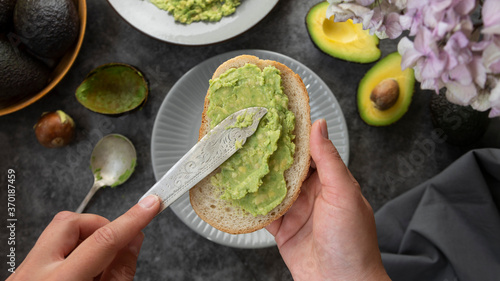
{"points": [[343, 40], [113, 88], [387, 68]]}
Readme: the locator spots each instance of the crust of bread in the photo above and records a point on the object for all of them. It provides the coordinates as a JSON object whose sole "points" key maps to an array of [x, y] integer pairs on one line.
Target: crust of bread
{"points": [[205, 198]]}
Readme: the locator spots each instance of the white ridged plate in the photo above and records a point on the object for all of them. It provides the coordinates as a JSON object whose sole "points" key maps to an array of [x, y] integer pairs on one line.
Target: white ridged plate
{"points": [[176, 128], [159, 24]]}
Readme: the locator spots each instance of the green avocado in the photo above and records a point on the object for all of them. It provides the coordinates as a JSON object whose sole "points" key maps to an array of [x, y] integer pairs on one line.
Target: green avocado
{"points": [[343, 40], [6, 14], [461, 125], [22, 75], [253, 178], [47, 27], [376, 110]]}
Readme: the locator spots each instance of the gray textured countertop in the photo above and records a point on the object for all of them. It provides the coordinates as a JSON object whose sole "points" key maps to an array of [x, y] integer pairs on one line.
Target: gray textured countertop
{"points": [[386, 161]]}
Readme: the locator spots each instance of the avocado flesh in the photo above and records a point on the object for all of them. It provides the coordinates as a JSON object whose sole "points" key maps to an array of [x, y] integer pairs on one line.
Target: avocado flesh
{"points": [[49, 27], [343, 40], [388, 67], [6, 14], [22, 75], [113, 89]]}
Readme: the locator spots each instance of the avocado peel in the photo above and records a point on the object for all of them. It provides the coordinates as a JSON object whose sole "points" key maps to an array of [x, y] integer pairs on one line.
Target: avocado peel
{"points": [[113, 88], [461, 125], [343, 40], [393, 100], [48, 28]]}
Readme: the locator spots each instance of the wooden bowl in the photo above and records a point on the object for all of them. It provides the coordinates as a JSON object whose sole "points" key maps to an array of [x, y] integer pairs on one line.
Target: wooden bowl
{"points": [[60, 70]]}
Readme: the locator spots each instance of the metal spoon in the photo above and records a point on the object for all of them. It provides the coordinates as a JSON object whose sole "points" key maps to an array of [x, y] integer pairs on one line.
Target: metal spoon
{"points": [[112, 162]]}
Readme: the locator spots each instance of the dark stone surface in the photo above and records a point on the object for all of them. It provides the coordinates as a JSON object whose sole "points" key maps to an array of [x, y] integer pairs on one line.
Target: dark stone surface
{"points": [[386, 161]]}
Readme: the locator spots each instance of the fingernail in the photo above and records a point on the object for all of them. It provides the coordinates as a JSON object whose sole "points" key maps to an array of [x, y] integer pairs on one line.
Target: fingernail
{"points": [[324, 128], [148, 202], [135, 245]]}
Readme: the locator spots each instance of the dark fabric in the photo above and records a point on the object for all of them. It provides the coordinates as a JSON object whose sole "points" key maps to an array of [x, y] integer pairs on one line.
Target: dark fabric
{"points": [[447, 228]]}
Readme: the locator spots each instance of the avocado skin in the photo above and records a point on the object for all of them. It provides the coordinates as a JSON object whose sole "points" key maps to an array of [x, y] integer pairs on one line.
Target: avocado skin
{"points": [[6, 14], [462, 125], [341, 51], [22, 75], [47, 27]]}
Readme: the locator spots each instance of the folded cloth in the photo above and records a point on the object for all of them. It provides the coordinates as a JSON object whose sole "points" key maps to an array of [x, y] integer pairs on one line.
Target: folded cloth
{"points": [[447, 228]]}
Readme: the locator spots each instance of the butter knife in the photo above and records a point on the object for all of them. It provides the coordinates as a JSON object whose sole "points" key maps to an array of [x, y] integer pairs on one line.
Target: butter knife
{"points": [[205, 156]]}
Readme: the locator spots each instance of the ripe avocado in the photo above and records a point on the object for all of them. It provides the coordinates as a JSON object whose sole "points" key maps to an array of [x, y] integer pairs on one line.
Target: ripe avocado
{"points": [[343, 40], [462, 125], [47, 27], [6, 14], [22, 75], [388, 67]]}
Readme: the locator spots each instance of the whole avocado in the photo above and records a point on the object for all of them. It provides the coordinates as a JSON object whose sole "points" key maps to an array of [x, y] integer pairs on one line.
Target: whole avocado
{"points": [[22, 75], [47, 27], [6, 14], [461, 125]]}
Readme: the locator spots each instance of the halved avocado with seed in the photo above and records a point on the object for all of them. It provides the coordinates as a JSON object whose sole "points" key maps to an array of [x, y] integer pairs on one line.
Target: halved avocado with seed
{"points": [[113, 89], [343, 40], [385, 92]]}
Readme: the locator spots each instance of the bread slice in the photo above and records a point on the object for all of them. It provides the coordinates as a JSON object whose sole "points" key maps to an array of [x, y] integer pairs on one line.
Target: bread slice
{"points": [[205, 198]]}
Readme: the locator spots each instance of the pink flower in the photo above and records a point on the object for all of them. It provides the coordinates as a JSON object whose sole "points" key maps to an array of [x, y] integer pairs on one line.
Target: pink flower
{"points": [[446, 50], [491, 17], [457, 50], [491, 56]]}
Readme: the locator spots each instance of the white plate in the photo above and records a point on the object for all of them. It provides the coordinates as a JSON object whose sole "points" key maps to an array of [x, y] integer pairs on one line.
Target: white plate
{"points": [[176, 128], [159, 24]]}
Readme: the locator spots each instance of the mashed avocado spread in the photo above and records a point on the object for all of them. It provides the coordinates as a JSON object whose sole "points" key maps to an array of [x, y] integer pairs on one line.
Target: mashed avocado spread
{"points": [[187, 11], [253, 178]]}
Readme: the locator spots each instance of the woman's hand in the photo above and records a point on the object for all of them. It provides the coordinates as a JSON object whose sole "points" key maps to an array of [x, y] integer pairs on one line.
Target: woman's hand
{"points": [[89, 247], [329, 233]]}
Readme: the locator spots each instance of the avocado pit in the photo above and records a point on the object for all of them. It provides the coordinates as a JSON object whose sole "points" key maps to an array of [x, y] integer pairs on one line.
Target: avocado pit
{"points": [[55, 129], [385, 94]]}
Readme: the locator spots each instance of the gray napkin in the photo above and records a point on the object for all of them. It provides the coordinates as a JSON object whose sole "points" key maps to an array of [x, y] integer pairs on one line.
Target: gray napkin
{"points": [[447, 228]]}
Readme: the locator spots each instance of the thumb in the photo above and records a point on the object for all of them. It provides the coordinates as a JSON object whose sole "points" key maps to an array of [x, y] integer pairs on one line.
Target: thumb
{"points": [[333, 173], [96, 252]]}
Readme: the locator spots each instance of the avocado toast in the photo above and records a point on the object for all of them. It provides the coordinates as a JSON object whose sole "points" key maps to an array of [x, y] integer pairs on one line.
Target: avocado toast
{"points": [[207, 197]]}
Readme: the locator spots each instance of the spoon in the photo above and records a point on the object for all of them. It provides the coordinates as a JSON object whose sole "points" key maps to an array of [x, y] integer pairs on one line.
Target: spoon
{"points": [[112, 162]]}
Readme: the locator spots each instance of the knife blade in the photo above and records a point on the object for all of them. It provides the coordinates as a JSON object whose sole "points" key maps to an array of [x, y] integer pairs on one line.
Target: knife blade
{"points": [[205, 156]]}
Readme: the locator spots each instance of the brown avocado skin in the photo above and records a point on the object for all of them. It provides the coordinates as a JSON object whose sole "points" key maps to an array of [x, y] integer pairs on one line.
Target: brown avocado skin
{"points": [[47, 27], [22, 75], [461, 125], [6, 14]]}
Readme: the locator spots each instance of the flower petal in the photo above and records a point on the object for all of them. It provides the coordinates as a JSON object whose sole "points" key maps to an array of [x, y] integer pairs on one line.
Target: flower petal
{"points": [[460, 94], [408, 53], [491, 13], [495, 101], [464, 7], [491, 57]]}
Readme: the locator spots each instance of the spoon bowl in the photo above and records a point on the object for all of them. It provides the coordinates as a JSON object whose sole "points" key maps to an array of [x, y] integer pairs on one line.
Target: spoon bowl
{"points": [[112, 162]]}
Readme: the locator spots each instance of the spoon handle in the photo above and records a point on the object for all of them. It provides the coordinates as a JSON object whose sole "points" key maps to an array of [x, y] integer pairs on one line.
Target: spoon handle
{"points": [[87, 198]]}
